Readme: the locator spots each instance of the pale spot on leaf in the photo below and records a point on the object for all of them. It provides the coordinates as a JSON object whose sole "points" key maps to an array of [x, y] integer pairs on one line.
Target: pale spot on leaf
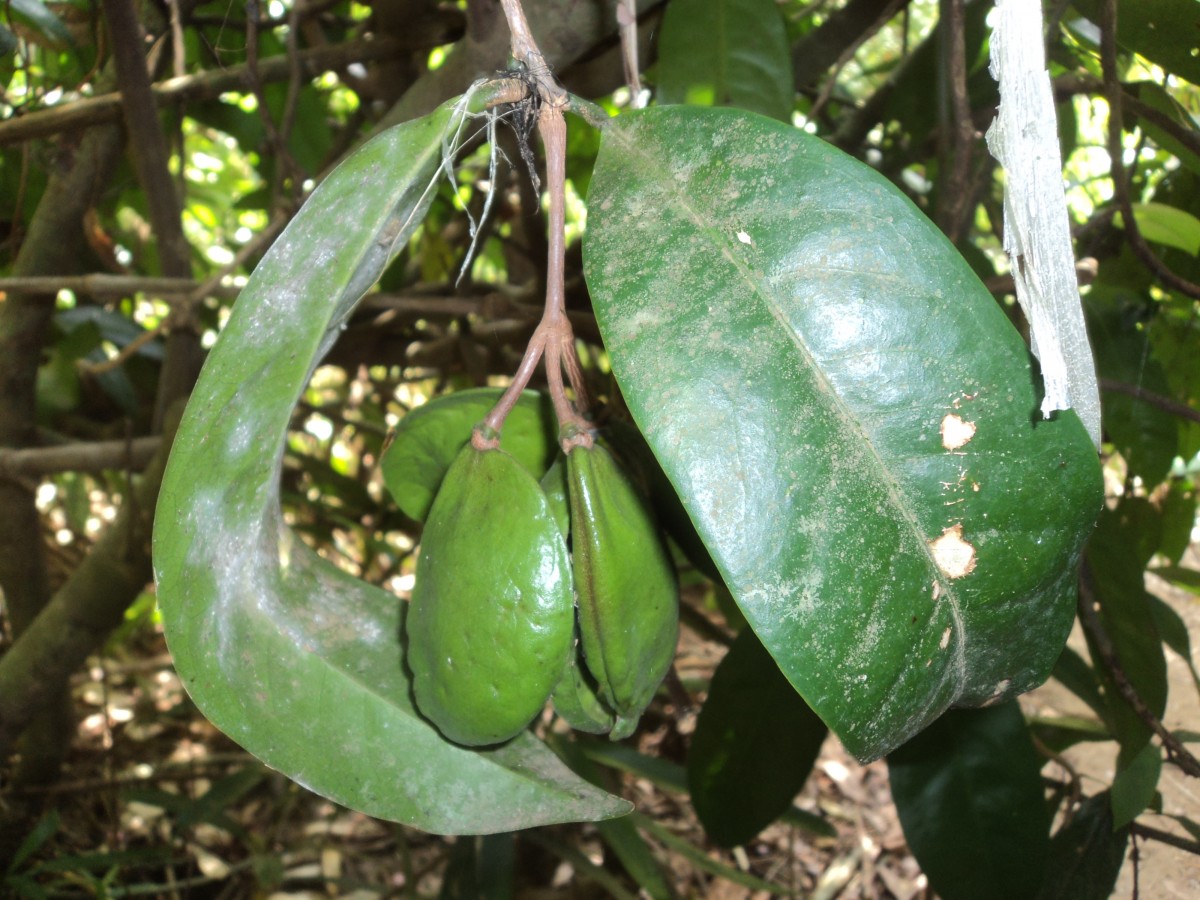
{"points": [[954, 556], [998, 692], [945, 641], [744, 238], [956, 432]]}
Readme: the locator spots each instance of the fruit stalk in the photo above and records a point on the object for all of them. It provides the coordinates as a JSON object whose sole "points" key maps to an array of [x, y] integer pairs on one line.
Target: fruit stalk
{"points": [[554, 338]]}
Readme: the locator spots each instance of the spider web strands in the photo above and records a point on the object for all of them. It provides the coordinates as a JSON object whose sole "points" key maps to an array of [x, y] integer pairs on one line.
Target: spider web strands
{"points": [[1024, 139]]}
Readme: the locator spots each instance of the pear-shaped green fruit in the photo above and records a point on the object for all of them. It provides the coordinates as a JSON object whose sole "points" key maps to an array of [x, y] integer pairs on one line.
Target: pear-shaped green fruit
{"points": [[625, 585], [491, 621]]}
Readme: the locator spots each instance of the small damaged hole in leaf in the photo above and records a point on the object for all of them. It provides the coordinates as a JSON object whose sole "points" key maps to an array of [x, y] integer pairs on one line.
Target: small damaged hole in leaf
{"points": [[953, 555], [956, 432], [744, 238]]}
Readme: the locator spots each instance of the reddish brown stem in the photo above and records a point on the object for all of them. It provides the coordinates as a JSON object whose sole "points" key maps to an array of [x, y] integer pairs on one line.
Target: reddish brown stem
{"points": [[554, 338]]}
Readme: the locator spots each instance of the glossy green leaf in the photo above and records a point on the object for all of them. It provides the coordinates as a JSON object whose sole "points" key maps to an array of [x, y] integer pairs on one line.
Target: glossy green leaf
{"points": [[290, 656], [428, 439], [1086, 855], [1135, 785], [1163, 31], [1166, 225], [755, 744], [969, 793], [726, 53], [846, 414]]}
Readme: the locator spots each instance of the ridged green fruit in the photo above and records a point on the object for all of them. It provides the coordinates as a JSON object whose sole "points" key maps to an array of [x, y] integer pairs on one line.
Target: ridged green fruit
{"points": [[491, 621], [625, 585], [577, 698]]}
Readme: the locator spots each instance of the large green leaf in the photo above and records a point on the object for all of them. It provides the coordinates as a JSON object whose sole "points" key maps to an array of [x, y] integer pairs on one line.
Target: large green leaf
{"points": [[1163, 31], [1118, 553], [969, 795], [726, 53], [849, 419], [290, 656], [755, 744], [1086, 855]]}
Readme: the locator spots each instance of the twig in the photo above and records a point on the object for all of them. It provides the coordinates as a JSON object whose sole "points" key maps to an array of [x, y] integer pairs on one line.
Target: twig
{"points": [[1165, 837], [954, 194], [1177, 753], [1120, 180], [850, 51], [146, 143], [627, 24], [125, 353], [276, 138], [822, 48], [1166, 404], [103, 285], [97, 456], [107, 107]]}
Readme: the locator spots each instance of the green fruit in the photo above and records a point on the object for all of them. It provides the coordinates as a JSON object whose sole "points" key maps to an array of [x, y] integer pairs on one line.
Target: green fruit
{"points": [[491, 621], [577, 699], [428, 440], [554, 485], [625, 585]]}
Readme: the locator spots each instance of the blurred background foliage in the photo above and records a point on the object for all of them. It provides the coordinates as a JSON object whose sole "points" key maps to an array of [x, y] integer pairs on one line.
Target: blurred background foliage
{"points": [[149, 154]]}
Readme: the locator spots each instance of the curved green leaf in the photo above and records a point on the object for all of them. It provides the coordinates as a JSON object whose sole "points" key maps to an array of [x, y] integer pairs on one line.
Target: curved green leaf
{"points": [[969, 793], [1134, 787], [755, 744], [293, 658], [726, 53], [846, 414], [428, 439]]}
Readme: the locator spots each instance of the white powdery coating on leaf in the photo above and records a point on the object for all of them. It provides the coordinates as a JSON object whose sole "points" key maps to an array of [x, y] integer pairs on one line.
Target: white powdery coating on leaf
{"points": [[1024, 138]]}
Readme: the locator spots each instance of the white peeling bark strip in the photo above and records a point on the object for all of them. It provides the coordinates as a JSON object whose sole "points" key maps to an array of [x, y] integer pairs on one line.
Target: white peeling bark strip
{"points": [[1024, 138]]}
